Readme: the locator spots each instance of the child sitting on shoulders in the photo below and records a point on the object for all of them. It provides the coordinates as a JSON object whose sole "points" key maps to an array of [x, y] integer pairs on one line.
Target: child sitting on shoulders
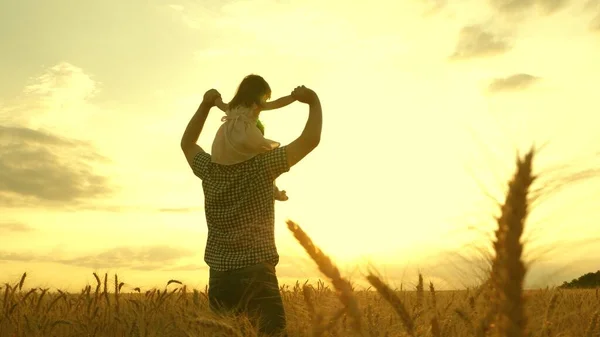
{"points": [[241, 137]]}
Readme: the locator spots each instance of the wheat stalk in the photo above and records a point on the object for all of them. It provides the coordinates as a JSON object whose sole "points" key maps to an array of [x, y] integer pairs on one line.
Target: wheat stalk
{"points": [[508, 269], [545, 332], [420, 291], [218, 327], [388, 294], [592, 326], [329, 269]]}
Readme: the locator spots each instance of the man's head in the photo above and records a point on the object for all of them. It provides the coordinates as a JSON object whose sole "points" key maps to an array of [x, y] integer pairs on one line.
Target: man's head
{"points": [[253, 90]]}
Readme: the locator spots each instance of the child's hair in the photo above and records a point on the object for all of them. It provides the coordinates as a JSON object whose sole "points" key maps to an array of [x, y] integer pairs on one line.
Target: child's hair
{"points": [[250, 91], [260, 126]]}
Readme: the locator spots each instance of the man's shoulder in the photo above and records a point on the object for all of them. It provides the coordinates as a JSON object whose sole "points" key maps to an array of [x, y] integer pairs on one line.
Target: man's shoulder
{"points": [[203, 157], [201, 164], [245, 167], [268, 165], [276, 155], [274, 162]]}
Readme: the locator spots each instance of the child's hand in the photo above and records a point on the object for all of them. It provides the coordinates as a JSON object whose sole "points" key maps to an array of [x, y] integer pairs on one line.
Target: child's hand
{"points": [[218, 100], [219, 104]]}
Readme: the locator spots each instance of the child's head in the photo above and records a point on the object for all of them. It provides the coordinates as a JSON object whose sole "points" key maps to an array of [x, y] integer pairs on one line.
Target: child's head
{"points": [[253, 90]]}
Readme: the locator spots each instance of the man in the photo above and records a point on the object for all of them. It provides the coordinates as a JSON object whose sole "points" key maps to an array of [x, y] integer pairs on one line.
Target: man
{"points": [[240, 215]]}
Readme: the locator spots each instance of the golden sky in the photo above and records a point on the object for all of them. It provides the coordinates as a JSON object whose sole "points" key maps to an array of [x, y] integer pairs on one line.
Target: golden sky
{"points": [[425, 104]]}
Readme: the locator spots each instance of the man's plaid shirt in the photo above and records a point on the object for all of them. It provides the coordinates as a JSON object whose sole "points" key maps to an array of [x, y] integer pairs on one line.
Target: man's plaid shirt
{"points": [[240, 209]]}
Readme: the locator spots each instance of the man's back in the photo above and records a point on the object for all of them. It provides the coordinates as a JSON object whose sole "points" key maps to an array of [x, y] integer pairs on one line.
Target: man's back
{"points": [[239, 208]]}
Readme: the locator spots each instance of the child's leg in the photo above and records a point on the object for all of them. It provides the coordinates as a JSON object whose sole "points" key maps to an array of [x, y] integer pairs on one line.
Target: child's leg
{"points": [[279, 195]]}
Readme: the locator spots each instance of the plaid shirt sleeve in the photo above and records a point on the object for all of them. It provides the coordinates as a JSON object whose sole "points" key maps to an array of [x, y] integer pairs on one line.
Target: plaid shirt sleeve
{"points": [[200, 164], [275, 162]]}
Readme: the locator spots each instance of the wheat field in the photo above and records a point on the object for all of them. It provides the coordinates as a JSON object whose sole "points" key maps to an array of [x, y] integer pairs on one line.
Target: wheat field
{"points": [[498, 307]]}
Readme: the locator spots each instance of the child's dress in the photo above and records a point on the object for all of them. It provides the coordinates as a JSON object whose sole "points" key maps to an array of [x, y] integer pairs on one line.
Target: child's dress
{"points": [[239, 139]]}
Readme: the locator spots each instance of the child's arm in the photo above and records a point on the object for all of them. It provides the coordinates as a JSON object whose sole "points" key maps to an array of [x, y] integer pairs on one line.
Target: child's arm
{"points": [[219, 104], [279, 103]]}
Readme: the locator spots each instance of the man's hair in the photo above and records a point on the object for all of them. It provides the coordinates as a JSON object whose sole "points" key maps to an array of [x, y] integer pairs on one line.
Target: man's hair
{"points": [[250, 91]]}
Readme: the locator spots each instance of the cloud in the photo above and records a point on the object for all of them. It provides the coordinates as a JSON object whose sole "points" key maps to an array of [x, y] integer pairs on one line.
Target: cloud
{"points": [[299, 267], [41, 168], [592, 5], [180, 209], [188, 267], [141, 258], [58, 99], [512, 83], [149, 258], [434, 6], [17, 257], [116, 208], [475, 41], [15, 227], [517, 6], [177, 8], [337, 35], [551, 6], [595, 23], [512, 5], [197, 16], [62, 84], [548, 263]]}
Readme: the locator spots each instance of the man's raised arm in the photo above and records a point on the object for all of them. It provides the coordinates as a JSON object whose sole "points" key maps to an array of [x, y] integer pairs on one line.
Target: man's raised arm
{"points": [[194, 127], [311, 135]]}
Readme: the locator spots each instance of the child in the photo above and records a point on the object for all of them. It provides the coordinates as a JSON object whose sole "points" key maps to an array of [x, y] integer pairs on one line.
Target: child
{"points": [[240, 137]]}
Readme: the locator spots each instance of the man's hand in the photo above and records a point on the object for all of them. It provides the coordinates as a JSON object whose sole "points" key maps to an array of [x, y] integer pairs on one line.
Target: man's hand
{"points": [[304, 95], [311, 135], [196, 124], [210, 98]]}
